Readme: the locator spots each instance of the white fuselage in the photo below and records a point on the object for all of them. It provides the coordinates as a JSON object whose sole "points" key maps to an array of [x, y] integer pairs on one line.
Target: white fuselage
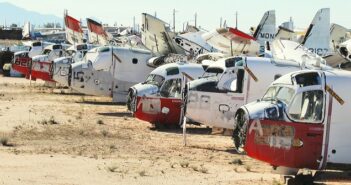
{"points": [[216, 104]]}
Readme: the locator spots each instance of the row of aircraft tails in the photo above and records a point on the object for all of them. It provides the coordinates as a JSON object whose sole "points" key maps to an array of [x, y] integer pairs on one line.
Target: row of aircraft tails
{"points": [[284, 95]]}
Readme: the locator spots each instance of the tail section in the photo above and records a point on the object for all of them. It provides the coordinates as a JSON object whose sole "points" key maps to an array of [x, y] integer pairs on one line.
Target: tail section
{"points": [[317, 38], [266, 29], [74, 32], [157, 36], [97, 33]]}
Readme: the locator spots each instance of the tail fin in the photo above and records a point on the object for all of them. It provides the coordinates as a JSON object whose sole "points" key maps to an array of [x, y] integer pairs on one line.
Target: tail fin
{"points": [[317, 38], [266, 30]]}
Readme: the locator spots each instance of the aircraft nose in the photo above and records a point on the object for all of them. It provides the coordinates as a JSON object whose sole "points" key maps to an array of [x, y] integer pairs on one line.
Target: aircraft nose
{"points": [[240, 128], [131, 99]]}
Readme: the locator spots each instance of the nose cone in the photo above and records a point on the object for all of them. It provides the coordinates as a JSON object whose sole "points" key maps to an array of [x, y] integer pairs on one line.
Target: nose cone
{"points": [[85, 79], [139, 90], [61, 70]]}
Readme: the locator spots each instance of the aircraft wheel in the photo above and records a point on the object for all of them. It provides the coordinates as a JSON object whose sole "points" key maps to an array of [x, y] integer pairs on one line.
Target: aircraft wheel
{"points": [[300, 180]]}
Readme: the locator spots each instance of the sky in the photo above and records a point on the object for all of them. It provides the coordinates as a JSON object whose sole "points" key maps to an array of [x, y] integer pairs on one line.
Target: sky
{"points": [[208, 12]]}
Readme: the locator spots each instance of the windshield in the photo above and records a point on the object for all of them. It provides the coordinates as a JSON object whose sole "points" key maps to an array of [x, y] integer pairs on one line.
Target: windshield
{"points": [[212, 71], [155, 80], [46, 52], [280, 93]]}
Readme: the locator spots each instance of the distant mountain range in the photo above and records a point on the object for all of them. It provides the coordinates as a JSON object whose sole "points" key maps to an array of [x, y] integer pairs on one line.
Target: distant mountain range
{"points": [[17, 15]]}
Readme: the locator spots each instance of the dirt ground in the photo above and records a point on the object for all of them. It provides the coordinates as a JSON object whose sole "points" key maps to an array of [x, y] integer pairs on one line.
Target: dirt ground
{"points": [[63, 138]]}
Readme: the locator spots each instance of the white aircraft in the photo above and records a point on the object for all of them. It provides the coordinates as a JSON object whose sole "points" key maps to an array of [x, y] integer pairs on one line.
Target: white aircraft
{"points": [[300, 123], [62, 65], [230, 83], [110, 71]]}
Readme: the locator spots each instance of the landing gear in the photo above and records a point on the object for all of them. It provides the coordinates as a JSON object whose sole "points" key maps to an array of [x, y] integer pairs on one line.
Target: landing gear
{"points": [[299, 179]]}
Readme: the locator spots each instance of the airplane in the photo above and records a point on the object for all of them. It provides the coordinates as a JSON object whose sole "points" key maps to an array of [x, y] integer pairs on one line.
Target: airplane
{"points": [[116, 69], [22, 59], [158, 99], [231, 82], [41, 65], [299, 123], [61, 66], [110, 71]]}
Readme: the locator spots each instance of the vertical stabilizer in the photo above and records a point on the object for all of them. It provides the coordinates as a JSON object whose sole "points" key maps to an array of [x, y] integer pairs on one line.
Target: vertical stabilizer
{"points": [[317, 38]]}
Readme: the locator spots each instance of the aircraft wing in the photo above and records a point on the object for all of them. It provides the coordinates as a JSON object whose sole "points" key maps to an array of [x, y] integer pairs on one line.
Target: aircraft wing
{"points": [[294, 51], [232, 41]]}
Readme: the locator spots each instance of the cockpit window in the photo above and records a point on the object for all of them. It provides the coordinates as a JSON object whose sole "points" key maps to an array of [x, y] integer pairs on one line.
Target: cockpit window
{"points": [[104, 49], [82, 47], [231, 62], [171, 88], [280, 93], [172, 71], [46, 51], [308, 79], [204, 84], [155, 80], [212, 71], [57, 47], [36, 44], [307, 107]]}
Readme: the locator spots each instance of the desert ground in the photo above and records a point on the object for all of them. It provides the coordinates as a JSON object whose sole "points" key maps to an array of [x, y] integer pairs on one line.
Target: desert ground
{"points": [[56, 136]]}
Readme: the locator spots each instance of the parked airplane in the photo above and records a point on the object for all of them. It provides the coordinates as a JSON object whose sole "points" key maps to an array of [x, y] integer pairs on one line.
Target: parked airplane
{"points": [[110, 71], [300, 122], [230, 83], [158, 100], [61, 66]]}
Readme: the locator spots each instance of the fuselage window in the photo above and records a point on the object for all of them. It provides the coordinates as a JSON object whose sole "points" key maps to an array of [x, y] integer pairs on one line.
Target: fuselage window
{"points": [[135, 60], [171, 88]]}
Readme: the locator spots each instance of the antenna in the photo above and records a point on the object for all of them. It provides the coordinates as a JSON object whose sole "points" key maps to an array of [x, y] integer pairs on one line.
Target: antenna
{"points": [[134, 23], [155, 14], [220, 22], [236, 20], [195, 19], [174, 11]]}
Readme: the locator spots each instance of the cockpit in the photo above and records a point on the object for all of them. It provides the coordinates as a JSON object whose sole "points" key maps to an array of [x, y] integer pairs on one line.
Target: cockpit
{"points": [[155, 79], [303, 97]]}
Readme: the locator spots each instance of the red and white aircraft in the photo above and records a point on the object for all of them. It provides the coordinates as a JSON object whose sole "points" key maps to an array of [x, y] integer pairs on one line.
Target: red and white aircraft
{"points": [[158, 100], [300, 122]]}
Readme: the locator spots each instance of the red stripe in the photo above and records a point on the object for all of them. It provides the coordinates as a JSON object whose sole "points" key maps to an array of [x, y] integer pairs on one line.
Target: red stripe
{"points": [[241, 34]]}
